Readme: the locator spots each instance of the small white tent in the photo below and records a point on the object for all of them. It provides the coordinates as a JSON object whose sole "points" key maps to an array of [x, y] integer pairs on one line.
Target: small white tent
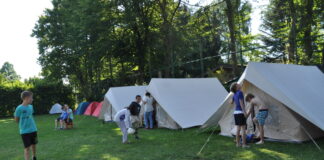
{"points": [[118, 98], [184, 103], [56, 108], [293, 94]]}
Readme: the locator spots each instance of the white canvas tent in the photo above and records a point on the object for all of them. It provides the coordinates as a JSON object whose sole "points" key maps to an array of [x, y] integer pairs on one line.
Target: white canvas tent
{"points": [[56, 108], [184, 103], [293, 95], [118, 98]]}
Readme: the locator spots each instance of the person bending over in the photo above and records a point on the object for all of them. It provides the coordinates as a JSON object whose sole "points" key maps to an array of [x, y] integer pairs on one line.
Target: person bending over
{"points": [[261, 116], [123, 120]]}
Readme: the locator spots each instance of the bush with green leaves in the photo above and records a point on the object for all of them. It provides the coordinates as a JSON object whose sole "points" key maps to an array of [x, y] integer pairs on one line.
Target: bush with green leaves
{"points": [[46, 94]]}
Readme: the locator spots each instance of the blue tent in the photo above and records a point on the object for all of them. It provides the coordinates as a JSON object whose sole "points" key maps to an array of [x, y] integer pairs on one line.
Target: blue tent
{"points": [[82, 108]]}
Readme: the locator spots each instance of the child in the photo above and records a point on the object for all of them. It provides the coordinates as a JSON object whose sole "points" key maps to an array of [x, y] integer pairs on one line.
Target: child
{"points": [[27, 126], [239, 114], [148, 111], [63, 117], [122, 118], [70, 114], [135, 108], [260, 117]]}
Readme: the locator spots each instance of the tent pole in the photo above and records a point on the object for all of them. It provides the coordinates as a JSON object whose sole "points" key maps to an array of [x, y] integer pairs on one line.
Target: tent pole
{"points": [[319, 148], [208, 139]]}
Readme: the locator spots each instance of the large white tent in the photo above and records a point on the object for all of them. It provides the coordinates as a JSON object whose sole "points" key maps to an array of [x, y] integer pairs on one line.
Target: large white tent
{"points": [[184, 103], [118, 98], [293, 94], [56, 108]]}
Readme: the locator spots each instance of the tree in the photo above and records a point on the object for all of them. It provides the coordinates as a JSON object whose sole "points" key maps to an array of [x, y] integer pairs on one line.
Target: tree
{"points": [[301, 22], [231, 8], [8, 71]]}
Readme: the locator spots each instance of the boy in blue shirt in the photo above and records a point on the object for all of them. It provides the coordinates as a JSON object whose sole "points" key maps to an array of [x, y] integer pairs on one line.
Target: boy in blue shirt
{"points": [[27, 127], [63, 117]]}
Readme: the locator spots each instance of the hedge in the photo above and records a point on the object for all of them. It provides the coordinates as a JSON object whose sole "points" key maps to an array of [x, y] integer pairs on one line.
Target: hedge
{"points": [[45, 95]]}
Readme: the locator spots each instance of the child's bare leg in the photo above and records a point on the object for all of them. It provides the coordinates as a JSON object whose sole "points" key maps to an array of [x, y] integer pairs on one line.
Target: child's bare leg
{"points": [[55, 123], [61, 124], [237, 137], [243, 135], [257, 124], [26, 153], [261, 133], [34, 150]]}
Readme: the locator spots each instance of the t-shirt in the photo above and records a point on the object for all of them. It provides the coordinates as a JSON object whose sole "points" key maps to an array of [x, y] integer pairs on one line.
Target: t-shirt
{"points": [[70, 112], [236, 98], [138, 108], [26, 120], [148, 107], [123, 115], [64, 115]]}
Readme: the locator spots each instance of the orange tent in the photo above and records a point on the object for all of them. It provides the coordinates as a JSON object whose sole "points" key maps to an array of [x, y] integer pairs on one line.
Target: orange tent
{"points": [[96, 112], [91, 108]]}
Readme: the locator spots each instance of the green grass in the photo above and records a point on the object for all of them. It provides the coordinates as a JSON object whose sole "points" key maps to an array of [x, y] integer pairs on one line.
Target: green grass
{"points": [[92, 140]]}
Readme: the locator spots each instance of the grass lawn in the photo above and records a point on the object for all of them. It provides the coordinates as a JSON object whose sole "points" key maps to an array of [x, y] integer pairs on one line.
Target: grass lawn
{"points": [[92, 140]]}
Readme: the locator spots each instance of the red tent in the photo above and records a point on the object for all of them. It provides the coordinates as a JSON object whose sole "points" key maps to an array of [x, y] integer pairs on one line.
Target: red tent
{"points": [[91, 108], [96, 112]]}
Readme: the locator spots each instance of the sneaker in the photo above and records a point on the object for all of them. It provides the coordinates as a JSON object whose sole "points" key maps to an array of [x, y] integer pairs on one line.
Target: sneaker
{"points": [[245, 146], [260, 142]]}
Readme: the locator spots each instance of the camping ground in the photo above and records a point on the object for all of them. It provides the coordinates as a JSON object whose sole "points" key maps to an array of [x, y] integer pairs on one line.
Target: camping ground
{"points": [[93, 140]]}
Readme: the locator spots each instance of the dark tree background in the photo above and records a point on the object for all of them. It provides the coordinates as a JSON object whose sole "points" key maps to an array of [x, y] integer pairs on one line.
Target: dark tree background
{"points": [[96, 44]]}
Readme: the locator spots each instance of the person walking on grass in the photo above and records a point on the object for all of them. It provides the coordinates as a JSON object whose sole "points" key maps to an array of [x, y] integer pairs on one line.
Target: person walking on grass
{"points": [[27, 127], [148, 111], [123, 120], [135, 108], [261, 116], [239, 114]]}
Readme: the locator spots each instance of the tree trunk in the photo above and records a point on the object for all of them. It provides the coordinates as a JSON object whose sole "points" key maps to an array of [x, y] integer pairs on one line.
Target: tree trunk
{"points": [[166, 30], [230, 17], [308, 30], [140, 53], [323, 58], [292, 54]]}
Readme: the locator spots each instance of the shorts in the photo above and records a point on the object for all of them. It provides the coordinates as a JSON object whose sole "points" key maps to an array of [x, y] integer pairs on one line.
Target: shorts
{"points": [[135, 122], [68, 120], [261, 117], [65, 120], [240, 119], [29, 139]]}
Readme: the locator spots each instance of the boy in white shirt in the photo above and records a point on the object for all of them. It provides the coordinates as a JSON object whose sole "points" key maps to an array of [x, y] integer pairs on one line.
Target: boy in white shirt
{"points": [[148, 111]]}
